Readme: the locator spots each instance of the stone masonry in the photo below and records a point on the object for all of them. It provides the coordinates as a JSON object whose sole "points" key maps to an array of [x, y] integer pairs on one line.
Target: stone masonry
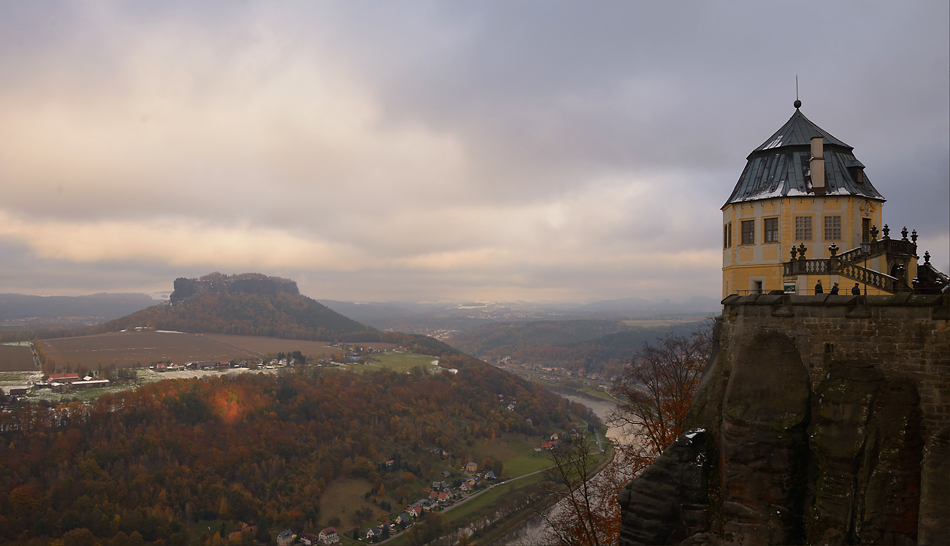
{"points": [[819, 420]]}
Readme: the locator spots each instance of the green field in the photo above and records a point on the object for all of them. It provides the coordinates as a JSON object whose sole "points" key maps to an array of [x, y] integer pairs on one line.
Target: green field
{"points": [[343, 498], [398, 362], [519, 456], [489, 497]]}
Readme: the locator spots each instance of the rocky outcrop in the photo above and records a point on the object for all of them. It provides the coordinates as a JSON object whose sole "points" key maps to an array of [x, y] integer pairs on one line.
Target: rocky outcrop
{"points": [[866, 445], [763, 442], [247, 283], [672, 503], [935, 491], [815, 425]]}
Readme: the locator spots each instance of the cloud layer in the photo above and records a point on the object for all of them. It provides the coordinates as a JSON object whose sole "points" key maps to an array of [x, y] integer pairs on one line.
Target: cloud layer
{"points": [[433, 151]]}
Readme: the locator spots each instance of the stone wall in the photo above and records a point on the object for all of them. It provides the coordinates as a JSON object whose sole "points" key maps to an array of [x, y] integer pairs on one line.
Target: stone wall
{"points": [[904, 336], [825, 419]]}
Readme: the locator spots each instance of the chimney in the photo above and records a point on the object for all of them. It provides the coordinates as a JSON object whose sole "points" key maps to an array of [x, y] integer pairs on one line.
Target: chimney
{"points": [[817, 164]]}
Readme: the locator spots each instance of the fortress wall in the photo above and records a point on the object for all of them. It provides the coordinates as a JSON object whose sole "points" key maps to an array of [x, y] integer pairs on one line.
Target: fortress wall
{"points": [[819, 420], [903, 336]]}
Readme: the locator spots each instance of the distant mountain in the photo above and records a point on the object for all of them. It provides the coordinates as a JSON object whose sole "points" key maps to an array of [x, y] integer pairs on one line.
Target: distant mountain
{"points": [[98, 307], [641, 308], [245, 304], [600, 346], [500, 339], [446, 319], [411, 318], [606, 355]]}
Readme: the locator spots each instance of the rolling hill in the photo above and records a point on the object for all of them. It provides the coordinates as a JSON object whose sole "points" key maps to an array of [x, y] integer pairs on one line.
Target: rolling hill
{"points": [[595, 346], [95, 306]]}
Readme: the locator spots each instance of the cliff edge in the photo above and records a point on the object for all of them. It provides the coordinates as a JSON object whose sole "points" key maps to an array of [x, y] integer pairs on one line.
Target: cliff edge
{"points": [[819, 420]]}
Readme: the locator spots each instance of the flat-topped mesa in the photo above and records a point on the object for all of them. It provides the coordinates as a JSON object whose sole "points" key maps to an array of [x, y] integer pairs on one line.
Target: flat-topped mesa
{"points": [[245, 283]]}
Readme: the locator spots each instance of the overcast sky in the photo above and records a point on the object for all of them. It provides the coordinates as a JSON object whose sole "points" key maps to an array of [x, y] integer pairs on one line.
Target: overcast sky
{"points": [[422, 151]]}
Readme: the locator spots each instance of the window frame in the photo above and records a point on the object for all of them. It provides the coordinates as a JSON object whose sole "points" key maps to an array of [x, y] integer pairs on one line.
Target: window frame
{"points": [[825, 228], [750, 232], [800, 231], [766, 232]]}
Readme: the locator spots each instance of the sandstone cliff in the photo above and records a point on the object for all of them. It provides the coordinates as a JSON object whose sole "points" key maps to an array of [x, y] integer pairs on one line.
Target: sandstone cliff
{"points": [[819, 420], [246, 283]]}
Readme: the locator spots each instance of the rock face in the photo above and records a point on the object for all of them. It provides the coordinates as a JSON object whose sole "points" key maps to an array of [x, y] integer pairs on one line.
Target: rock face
{"points": [[672, 504], [814, 424], [247, 283], [764, 444]]}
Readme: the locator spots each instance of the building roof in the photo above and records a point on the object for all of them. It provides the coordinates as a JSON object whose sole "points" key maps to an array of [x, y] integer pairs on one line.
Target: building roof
{"points": [[798, 131], [780, 167]]}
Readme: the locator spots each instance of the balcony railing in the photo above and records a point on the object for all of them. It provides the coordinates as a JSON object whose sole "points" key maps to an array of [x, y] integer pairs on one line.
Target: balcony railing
{"points": [[847, 263], [807, 267], [872, 278]]}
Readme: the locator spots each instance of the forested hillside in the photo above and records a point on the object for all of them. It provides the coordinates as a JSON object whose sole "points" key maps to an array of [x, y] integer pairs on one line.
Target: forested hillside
{"points": [[247, 304], [500, 339], [255, 448], [550, 343]]}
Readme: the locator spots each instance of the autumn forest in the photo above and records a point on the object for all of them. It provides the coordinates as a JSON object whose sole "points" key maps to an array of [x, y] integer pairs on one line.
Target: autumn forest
{"points": [[147, 464]]}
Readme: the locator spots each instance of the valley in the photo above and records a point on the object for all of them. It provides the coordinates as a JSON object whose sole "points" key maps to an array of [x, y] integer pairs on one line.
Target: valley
{"points": [[295, 431]]}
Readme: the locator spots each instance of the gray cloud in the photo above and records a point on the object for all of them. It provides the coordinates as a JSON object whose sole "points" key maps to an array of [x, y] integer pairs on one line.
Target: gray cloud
{"points": [[431, 150]]}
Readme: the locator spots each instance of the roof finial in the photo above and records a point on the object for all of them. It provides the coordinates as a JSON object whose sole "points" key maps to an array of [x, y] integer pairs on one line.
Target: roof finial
{"points": [[798, 103]]}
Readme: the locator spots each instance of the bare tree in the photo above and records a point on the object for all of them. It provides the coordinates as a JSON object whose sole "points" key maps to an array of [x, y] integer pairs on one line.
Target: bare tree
{"points": [[657, 387], [656, 392], [579, 519]]}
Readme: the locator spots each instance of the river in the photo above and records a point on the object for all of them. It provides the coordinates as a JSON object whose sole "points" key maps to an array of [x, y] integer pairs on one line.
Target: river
{"points": [[535, 529]]}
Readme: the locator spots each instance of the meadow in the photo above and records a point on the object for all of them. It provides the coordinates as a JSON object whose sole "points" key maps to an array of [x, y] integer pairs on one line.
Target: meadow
{"points": [[398, 362]]}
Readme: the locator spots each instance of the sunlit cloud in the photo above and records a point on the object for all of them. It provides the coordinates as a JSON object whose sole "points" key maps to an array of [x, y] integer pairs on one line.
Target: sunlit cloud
{"points": [[432, 151]]}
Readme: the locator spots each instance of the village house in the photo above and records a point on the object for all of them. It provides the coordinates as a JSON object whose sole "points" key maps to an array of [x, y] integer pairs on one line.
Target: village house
{"points": [[285, 538], [374, 533], [471, 467], [328, 536], [309, 539]]}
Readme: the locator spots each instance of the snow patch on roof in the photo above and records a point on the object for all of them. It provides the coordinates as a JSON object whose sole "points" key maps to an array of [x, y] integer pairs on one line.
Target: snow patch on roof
{"points": [[774, 144]]}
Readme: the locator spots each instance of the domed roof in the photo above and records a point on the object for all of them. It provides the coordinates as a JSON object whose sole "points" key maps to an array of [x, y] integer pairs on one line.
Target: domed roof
{"points": [[781, 166]]}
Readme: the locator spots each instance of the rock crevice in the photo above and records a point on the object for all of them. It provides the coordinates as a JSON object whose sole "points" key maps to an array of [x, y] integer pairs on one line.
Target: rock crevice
{"points": [[803, 433]]}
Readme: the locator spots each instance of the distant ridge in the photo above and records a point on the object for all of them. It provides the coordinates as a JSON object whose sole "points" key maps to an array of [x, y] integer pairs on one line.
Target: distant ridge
{"points": [[98, 306], [244, 304]]}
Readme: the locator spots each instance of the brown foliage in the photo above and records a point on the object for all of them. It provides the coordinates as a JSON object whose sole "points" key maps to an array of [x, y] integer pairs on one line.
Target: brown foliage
{"points": [[588, 513], [658, 386], [250, 448]]}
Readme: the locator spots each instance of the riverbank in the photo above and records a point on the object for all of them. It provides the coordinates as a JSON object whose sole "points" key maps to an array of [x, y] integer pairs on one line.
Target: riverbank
{"points": [[520, 527], [507, 528]]}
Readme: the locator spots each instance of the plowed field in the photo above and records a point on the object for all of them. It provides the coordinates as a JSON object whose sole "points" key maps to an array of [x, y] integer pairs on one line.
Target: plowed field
{"points": [[144, 348], [16, 358]]}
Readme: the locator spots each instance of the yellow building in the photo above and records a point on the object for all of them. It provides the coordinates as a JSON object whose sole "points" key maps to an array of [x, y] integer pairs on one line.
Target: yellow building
{"points": [[804, 210]]}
